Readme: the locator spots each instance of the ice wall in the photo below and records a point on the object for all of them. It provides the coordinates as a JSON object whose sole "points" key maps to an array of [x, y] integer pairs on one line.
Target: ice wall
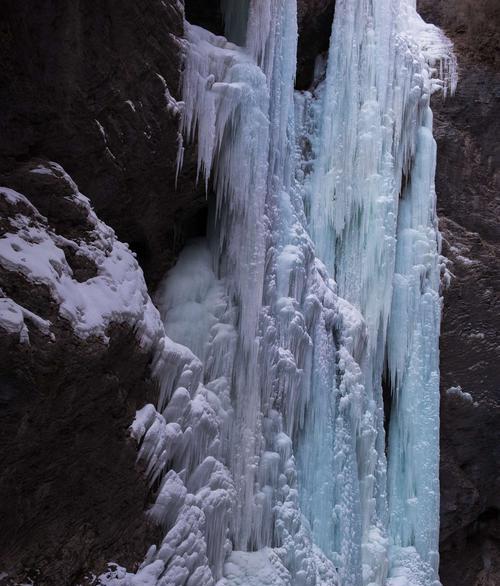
{"points": [[319, 280]]}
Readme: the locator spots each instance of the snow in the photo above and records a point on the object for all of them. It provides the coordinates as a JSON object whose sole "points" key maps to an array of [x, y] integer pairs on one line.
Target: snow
{"points": [[459, 252], [192, 299], [13, 319], [458, 393], [173, 106], [105, 138], [117, 294], [131, 104], [259, 568]]}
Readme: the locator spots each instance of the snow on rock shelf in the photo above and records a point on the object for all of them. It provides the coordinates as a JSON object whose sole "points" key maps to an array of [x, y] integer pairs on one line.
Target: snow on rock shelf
{"points": [[318, 283], [114, 292], [78, 332]]}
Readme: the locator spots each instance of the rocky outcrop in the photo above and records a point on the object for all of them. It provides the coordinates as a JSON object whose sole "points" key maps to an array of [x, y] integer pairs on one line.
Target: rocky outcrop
{"points": [[315, 19], [77, 329], [467, 127], [95, 90]]}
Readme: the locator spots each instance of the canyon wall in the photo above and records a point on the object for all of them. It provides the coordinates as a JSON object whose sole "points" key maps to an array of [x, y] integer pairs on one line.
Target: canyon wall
{"points": [[467, 128]]}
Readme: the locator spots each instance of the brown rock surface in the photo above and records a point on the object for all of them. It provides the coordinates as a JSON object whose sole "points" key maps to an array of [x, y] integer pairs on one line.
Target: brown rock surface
{"points": [[467, 129]]}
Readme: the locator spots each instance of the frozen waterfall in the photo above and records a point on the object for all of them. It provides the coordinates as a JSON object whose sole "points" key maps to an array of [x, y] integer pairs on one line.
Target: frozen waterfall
{"points": [[316, 287]]}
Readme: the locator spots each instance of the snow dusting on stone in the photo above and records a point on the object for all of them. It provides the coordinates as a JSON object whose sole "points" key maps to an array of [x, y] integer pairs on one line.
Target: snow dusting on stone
{"points": [[116, 294]]}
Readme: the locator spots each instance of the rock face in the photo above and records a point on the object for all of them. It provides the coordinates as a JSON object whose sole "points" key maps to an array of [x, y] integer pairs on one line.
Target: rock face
{"points": [[73, 373], [95, 90], [468, 181], [205, 13], [315, 19]]}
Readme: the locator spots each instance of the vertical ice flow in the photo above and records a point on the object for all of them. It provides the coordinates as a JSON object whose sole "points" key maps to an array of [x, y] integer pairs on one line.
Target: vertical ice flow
{"points": [[372, 217], [317, 285]]}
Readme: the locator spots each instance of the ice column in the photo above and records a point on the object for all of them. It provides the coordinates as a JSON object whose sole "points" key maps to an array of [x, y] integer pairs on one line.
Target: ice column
{"points": [[413, 360], [239, 104], [302, 378], [372, 217]]}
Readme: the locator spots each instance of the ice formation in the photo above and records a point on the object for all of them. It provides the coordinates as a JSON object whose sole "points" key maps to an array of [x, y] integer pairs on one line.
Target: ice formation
{"points": [[317, 286]]}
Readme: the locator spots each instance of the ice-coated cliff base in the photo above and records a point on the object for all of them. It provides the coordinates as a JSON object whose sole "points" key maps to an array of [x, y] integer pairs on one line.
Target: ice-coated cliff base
{"points": [[317, 283]]}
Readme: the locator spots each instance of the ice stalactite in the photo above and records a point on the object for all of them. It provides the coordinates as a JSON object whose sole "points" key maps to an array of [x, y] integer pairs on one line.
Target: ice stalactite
{"points": [[320, 272], [414, 325]]}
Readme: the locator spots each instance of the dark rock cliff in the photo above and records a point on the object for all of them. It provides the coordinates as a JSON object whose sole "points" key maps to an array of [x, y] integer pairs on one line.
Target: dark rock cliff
{"points": [[93, 86], [467, 128], [71, 497]]}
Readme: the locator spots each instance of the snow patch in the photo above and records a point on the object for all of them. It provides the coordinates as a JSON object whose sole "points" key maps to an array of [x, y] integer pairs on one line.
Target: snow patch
{"points": [[458, 393], [117, 294], [13, 318]]}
